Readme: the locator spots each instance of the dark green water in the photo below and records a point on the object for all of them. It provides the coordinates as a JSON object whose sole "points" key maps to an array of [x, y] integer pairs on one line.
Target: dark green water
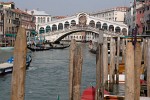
{"points": [[47, 75]]}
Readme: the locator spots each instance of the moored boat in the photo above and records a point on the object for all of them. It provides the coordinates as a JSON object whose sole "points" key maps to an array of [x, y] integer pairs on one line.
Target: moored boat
{"points": [[6, 48], [7, 67]]}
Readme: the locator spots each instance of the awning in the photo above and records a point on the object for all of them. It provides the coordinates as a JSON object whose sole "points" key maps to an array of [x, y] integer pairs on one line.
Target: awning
{"points": [[10, 35]]}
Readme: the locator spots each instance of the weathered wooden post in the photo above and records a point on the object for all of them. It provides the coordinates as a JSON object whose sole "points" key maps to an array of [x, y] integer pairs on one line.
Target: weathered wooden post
{"points": [[137, 64], [145, 52], [123, 50], [19, 68], [99, 93], [112, 61], [71, 66], [148, 68], [129, 73], [105, 59], [117, 62], [77, 73]]}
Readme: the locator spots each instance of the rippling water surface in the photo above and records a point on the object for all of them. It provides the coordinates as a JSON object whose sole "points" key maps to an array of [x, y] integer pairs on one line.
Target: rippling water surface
{"points": [[47, 76]]}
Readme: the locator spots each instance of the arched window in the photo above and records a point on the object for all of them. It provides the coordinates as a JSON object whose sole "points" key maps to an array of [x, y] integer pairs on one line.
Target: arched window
{"points": [[43, 19], [60, 26], [54, 27], [92, 23], [47, 19], [98, 25], [66, 24], [104, 26], [38, 19], [48, 29], [117, 29], [73, 23], [111, 28], [41, 30], [124, 31]]}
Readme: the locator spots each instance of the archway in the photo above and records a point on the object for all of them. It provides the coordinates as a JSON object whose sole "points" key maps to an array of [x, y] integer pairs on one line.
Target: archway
{"points": [[117, 29], [124, 31], [60, 26], [92, 23], [54, 27], [111, 28], [48, 29], [66, 24], [41, 30], [98, 25], [104, 26], [73, 23]]}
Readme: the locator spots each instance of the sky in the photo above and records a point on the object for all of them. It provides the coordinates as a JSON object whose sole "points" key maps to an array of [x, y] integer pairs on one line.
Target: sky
{"points": [[68, 7]]}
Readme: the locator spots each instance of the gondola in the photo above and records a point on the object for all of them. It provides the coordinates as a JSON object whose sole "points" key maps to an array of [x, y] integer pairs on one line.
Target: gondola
{"points": [[59, 47], [38, 48], [92, 51]]}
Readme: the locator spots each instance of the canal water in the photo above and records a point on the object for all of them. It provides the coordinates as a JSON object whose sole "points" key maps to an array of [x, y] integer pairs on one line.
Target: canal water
{"points": [[47, 76]]}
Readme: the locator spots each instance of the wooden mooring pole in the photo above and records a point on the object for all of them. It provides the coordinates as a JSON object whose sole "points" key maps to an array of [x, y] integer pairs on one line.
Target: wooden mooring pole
{"points": [[105, 60], [148, 68], [137, 63], [75, 71], [117, 62], [123, 50], [19, 66], [112, 61], [77, 74], [145, 53], [129, 72], [71, 65], [99, 94]]}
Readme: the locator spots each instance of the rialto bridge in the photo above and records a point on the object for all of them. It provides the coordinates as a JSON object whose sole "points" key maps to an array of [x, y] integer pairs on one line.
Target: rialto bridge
{"points": [[81, 27]]}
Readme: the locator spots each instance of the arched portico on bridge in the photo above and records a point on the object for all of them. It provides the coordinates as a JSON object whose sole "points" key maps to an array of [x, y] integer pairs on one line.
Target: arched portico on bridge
{"points": [[82, 20]]}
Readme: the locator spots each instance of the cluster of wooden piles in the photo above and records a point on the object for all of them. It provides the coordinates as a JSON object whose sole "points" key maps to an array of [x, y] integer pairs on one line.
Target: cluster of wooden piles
{"points": [[132, 57]]}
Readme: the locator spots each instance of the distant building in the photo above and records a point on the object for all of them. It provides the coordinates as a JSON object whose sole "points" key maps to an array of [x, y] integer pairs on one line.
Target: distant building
{"points": [[129, 19], [26, 20], [138, 15], [114, 14], [40, 17], [11, 18], [10, 5], [147, 16]]}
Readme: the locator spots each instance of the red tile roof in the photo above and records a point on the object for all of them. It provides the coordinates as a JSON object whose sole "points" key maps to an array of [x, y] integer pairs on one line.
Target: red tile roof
{"points": [[59, 17], [6, 2], [20, 11]]}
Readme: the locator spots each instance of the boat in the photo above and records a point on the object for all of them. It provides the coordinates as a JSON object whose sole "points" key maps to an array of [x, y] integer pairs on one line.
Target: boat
{"points": [[7, 67], [38, 48], [92, 51], [89, 93], [92, 48], [59, 46], [6, 48]]}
